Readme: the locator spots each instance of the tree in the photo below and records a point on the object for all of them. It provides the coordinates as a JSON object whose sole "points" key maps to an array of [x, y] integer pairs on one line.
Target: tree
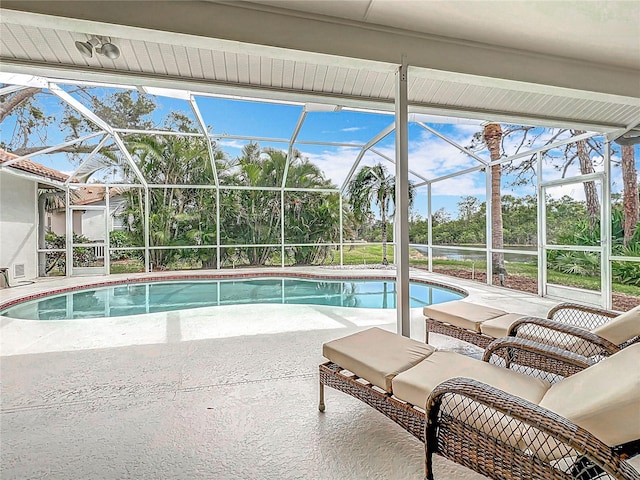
{"points": [[492, 136], [590, 191], [254, 216], [630, 196], [30, 109], [178, 215], [14, 100], [375, 185]]}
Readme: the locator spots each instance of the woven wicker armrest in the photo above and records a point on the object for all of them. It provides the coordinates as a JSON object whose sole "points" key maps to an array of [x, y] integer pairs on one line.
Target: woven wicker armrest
{"points": [[581, 315], [504, 437], [563, 336], [535, 359]]}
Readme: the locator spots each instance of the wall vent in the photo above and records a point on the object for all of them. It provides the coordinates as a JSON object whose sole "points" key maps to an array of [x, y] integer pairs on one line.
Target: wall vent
{"points": [[18, 270]]}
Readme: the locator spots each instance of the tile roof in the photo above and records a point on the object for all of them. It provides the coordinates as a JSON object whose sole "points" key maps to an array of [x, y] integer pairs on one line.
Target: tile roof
{"points": [[91, 194], [32, 167]]}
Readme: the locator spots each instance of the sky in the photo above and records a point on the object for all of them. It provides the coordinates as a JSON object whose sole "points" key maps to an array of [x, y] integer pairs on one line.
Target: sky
{"points": [[429, 156]]}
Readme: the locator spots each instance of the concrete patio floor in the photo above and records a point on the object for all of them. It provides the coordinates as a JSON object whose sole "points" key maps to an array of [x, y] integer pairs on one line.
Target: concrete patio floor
{"points": [[215, 393]]}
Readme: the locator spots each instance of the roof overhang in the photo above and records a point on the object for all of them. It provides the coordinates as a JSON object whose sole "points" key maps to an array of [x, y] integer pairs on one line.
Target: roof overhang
{"points": [[257, 50]]}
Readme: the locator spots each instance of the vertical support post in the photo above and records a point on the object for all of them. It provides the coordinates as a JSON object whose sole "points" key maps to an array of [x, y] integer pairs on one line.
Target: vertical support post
{"points": [[147, 209], [282, 226], [606, 286], [429, 227], [218, 250], [68, 233], [542, 228], [402, 202], [341, 233], [489, 229], [107, 236]]}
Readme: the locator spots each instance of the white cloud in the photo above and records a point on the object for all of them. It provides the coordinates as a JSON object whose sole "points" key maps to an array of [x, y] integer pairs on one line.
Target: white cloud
{"points": [[462, 186], [429, 157], [231, 144], [335, 163], [352, 129]]}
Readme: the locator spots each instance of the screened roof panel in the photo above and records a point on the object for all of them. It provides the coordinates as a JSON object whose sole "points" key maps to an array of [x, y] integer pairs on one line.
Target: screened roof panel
{"points": [[334, 162], [249, 119], [432, 157], [344, 126], [118, 107], [108, 165]]}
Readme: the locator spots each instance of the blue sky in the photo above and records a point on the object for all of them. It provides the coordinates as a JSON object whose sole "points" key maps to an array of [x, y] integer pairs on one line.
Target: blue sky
{"points": [[429, 156]]}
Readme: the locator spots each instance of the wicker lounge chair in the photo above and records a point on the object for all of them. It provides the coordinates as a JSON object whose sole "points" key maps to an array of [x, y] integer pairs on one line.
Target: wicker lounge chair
{"points": [[588, 331], [498, 421]]}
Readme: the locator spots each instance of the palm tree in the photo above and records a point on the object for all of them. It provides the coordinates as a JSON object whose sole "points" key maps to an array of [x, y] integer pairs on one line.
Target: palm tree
{"points": [[630, 201], [374, 185], [492, 136]]}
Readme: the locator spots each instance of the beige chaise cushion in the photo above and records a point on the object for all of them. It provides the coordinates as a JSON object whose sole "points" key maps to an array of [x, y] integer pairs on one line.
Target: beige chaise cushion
{"points": [[376, 355], [499, 327], [621, 328], [604, 399], [462, 314], [415, 384]]}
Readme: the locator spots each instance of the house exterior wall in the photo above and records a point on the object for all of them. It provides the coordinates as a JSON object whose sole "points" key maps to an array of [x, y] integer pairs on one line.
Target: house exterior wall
{"points": [[18, 225], [93, 225], [56, 221], [87, 222]]}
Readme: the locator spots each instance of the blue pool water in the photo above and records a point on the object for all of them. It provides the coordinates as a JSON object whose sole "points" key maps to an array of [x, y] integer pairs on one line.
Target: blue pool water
{"points": [[139, 298]]}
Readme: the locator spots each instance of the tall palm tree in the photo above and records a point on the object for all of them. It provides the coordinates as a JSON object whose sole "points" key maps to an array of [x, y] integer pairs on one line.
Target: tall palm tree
{"points": [[374, 185], [630, 195], [492, 136]]}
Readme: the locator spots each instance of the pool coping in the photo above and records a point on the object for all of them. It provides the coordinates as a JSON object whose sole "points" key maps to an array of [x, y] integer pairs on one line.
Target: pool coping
{"points": [[145, 278]]}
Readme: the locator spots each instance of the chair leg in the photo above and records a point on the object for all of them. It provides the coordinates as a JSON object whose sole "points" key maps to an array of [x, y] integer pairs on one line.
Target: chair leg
{"points": [[428, 466], [321, 406]]}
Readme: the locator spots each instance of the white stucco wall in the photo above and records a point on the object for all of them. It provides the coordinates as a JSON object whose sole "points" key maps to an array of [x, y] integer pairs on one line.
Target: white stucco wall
{"points": [[18, 225], [93, 225], [56, 221]]}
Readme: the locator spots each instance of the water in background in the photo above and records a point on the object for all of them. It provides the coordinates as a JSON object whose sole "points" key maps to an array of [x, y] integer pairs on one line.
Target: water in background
{"points": [[461, 254]]}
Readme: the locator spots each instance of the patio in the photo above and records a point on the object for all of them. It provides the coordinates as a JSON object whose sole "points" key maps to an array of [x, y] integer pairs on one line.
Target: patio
{"points": [[232, 392], [204, 400]]}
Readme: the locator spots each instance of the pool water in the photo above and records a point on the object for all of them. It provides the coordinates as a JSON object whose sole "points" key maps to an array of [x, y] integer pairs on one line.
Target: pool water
{"points": [[149, 297]]}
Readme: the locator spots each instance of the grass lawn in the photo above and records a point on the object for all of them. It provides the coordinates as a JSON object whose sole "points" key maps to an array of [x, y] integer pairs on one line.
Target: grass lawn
{"points": [[373, 255]]}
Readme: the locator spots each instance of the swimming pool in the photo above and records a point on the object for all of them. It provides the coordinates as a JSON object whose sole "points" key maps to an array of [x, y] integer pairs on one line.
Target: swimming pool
{"points": [[162, 296]]}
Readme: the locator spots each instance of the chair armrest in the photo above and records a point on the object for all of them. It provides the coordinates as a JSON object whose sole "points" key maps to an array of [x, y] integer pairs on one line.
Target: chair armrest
{"points": [[563, 336], [581, 315], [535, 359], [501, 436]]}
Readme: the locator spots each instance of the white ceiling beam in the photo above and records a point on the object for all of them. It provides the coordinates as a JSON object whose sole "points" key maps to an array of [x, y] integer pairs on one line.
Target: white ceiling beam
{"points": [[243, 26], [619, 133], [230, 89]]}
